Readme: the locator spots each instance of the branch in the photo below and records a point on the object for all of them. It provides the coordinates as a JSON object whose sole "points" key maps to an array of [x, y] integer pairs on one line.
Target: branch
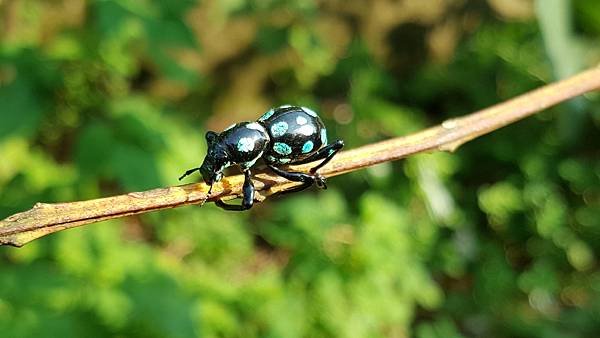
{"points": [[44, 219]]}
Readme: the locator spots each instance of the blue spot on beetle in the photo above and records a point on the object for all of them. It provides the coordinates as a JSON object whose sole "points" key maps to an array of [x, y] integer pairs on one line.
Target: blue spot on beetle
{"points": [[307, 147], [282, 148], [245, 144], [266, 115], [279, 128]]}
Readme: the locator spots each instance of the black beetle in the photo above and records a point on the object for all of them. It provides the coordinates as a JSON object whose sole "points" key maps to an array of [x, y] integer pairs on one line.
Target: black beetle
{"points": [[283, 135]]}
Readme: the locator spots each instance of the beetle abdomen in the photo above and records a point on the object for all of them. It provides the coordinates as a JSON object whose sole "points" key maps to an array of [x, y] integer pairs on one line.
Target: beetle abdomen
{"points": [[295, 133]]}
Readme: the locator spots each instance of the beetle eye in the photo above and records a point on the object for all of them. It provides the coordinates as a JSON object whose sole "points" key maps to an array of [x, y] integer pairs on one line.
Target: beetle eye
{"points": [[211, 136]]}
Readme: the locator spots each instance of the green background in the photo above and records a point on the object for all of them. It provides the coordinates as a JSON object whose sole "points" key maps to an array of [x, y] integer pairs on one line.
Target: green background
{"points": [[500, 239]]}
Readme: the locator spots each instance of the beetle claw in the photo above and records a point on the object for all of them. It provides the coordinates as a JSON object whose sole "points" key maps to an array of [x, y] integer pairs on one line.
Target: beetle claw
{"points": [[321, 181]]}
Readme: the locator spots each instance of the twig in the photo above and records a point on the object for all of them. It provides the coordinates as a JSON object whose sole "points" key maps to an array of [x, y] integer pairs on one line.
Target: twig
{"points": [[44, 219]]}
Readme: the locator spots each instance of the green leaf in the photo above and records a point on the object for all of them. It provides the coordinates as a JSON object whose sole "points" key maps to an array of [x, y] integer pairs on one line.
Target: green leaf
{"points": [[162, 308], [94, 149], [21, 109], [134, 168]]}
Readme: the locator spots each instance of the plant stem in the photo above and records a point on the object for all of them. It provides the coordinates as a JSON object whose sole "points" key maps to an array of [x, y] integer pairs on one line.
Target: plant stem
{"points": [[44, 219]]}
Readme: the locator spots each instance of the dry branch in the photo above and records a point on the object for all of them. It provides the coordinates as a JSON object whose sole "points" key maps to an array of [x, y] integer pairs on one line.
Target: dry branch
{"points": [[44, 219]]}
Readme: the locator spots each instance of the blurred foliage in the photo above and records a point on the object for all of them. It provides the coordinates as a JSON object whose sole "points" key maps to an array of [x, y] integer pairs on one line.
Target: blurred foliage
{"points": [[500, 239]]}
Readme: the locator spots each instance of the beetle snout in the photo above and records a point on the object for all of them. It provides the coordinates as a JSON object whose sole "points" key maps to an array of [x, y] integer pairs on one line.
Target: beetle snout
{"points": [[207, 173], [210, 173]]}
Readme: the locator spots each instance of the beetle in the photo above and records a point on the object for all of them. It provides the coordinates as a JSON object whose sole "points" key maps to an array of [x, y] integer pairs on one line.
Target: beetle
{"points": [[281, 136]]}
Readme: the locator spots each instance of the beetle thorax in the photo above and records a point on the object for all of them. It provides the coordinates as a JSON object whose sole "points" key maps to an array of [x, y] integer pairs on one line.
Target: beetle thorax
{"points": [[244, 143]]}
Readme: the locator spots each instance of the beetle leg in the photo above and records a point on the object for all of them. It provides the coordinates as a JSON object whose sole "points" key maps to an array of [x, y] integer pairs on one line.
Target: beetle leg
{"points": [[306, 179], [247, 198], [326, 153], [248, 190]]}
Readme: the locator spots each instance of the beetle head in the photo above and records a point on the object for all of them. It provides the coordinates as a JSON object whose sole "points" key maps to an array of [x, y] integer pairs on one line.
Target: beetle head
{"points": [[216, 159]]}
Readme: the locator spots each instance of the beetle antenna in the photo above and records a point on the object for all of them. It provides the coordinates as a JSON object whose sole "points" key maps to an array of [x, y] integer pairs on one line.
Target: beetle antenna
{"points": [[207, 195], [189, 172]]}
